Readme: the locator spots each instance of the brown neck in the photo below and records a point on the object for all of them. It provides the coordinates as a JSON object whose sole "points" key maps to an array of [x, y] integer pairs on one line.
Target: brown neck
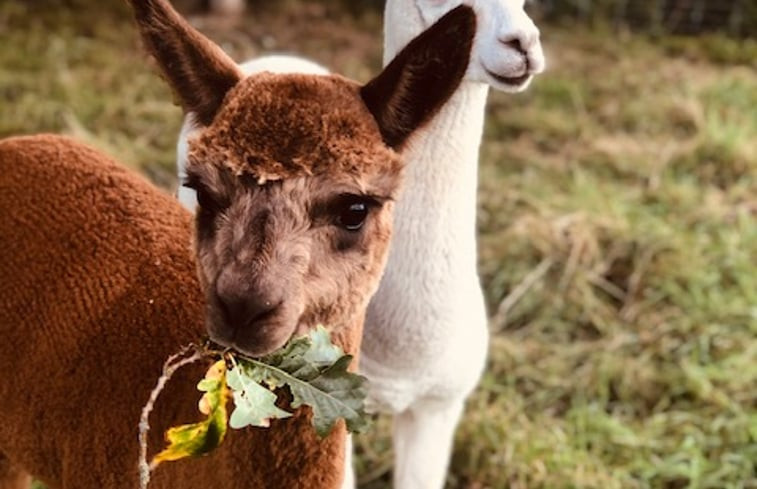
{"points": [[348, 338]]}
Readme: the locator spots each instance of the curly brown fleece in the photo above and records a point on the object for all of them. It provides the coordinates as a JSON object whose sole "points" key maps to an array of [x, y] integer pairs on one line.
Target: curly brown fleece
{"points": [[97, 288]]}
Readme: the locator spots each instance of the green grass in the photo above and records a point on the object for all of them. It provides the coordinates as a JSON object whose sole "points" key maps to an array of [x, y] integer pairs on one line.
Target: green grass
{"points": [[618, 233]]}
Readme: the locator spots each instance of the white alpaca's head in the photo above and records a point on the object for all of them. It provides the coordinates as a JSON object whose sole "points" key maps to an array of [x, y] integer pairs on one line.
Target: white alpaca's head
{"points": [[507, 51]]}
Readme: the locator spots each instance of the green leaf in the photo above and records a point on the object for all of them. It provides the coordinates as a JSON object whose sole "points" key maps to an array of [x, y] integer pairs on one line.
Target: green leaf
{"points": [[193, 440], [334, 394], [322, 351], [316, 373], [254, 405], [290, 358], [314, 370]]}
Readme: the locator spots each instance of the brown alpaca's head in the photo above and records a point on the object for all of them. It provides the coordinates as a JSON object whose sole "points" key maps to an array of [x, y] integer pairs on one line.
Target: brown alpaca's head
{"points": [[295, 174]]}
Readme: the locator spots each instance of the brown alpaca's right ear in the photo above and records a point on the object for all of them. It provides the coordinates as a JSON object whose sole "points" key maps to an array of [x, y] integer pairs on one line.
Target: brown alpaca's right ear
{"points": [[199, 72], [422, 77]]}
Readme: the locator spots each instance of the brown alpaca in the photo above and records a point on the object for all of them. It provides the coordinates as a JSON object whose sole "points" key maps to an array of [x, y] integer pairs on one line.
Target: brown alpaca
{"points": [[98, 284]]}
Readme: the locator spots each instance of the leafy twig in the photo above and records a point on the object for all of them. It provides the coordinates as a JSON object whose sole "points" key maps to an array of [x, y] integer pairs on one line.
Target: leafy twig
{"points": [[312, 367]]}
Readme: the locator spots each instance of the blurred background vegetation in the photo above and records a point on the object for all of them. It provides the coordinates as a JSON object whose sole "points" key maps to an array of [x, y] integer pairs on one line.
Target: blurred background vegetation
{"points": [[618, 220], [735, 17]]}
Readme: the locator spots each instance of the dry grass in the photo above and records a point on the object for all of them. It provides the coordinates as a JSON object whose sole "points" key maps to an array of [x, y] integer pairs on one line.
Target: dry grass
{"points": [[618, 233]]}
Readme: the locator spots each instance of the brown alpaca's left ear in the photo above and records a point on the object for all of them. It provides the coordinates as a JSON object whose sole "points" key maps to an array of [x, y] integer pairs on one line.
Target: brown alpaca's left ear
{"points": [[422, 77], [197, 69]]}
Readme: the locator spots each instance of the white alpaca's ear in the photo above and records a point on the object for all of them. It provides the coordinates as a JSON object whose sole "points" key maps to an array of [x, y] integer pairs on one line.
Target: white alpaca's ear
{"points": [[422, 77], [199, 72]]}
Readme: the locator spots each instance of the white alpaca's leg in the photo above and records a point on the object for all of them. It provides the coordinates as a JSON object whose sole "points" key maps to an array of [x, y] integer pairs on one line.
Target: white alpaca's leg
{"points": [[349, 470], [423, 438]]}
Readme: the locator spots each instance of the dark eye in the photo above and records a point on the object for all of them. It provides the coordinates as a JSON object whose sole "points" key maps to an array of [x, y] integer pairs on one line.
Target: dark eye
{"points": [[205, 200], [352, 210]]}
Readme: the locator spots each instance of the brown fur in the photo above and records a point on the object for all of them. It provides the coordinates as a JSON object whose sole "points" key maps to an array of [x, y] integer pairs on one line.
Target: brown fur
{"points": [[98, 284], [11, 477], [311, 140], [289, 147], [274, 127], [90, 312]]}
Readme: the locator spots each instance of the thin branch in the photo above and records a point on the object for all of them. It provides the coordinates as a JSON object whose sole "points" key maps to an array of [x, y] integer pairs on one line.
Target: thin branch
{"points": [[174, 363]]}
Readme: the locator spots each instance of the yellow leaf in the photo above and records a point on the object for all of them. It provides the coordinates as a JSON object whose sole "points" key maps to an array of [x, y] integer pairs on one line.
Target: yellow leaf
{"points": [[193, 440]]}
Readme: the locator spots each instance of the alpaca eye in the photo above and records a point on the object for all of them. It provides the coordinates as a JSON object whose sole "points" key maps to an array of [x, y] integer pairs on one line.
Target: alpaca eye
{"points": [[205, 200], [353, 217], [351, 211]]}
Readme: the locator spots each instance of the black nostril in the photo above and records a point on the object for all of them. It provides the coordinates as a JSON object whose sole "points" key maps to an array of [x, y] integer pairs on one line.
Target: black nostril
{"points": [[262, 311], [514, 44], [242, 311], [229, 308]]}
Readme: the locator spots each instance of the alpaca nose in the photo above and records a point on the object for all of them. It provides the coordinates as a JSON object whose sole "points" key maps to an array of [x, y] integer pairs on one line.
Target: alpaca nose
{"points": [[521, 40], [513, 44], [248, 310], [246, 305]]}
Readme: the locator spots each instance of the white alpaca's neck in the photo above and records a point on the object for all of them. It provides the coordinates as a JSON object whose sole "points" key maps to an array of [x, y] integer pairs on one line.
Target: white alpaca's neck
{"points": [[442, 158], [442, 178], [429, 306]]}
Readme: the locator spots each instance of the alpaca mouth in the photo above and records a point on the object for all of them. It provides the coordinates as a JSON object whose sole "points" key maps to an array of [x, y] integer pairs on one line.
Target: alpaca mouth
{"points": [[513, 81], [256, 339], [252, 344]]}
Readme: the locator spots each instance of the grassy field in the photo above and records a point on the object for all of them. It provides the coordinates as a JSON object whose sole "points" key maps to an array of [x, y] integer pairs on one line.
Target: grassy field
{"points": [[618, 231]]}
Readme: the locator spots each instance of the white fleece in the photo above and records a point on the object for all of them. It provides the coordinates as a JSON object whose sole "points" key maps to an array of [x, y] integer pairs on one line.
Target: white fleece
{"points": [[425, 338]]}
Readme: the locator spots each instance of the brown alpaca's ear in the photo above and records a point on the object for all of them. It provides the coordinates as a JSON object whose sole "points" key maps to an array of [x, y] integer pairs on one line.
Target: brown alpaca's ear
{"points": [[422, 77], [199, 72]]}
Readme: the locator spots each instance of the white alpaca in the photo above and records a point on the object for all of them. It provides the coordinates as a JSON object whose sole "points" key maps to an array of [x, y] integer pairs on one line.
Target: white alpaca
{"points": [[425, 337]]}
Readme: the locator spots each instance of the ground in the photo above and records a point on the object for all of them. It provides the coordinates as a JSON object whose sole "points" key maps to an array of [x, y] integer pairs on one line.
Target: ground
{"points": [[618, 230]]}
